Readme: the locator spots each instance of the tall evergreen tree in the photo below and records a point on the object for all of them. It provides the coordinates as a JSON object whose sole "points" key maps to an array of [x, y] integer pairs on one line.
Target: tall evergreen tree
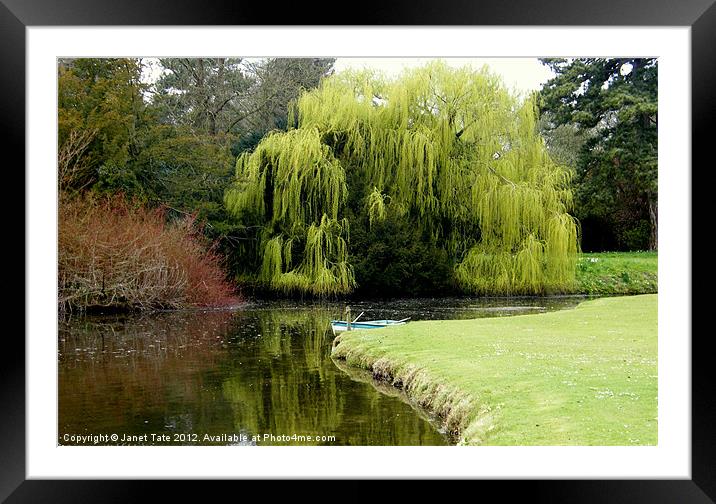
{"points": [[101, 116], [204, 94], [278, 83], [610, 104]]}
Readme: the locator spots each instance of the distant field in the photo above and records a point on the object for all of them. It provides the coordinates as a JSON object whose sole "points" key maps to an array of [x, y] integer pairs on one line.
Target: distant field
{"points": [[606, 273]]}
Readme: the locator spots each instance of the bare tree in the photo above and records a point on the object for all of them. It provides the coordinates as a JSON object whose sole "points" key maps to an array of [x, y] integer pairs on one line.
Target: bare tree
{"points": [[73, 166]]}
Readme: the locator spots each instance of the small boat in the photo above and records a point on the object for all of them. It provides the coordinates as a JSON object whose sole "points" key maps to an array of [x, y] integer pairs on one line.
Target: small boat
{"points": [[342, 325]]}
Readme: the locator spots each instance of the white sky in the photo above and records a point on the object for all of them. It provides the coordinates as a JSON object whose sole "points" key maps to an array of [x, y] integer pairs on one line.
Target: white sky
{"points": [[520, 75]]}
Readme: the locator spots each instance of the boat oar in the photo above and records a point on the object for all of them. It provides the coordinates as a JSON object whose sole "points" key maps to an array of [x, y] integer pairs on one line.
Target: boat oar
{"points": [[403, 320], [359, 316]]}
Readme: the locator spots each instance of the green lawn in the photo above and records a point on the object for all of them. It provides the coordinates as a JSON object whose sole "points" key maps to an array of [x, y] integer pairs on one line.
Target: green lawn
{"points": [[607, 273], [585, 376]]}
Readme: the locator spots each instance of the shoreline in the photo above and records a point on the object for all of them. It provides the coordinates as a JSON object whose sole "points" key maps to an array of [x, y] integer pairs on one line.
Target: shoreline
{"points": [[451, 413], [584, 376], [382, 382], [388, 388]]}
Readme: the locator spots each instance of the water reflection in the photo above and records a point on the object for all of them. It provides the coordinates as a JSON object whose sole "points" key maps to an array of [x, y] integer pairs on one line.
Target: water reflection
{"points": [[146, 374], [242, 376]]}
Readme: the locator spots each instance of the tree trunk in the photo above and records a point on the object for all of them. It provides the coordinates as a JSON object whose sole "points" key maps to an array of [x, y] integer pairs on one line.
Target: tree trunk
{"points": [[654, 221]]}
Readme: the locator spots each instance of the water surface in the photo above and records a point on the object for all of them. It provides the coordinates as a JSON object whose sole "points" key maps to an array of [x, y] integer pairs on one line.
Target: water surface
{"points": [[257, 375]]}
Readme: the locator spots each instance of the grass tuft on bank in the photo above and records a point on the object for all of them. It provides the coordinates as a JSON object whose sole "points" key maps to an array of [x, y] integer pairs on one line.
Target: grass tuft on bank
{"points": [[616, 273], [586, 376]]}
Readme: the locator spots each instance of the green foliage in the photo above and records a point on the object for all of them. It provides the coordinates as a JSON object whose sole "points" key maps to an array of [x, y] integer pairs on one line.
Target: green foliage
{"points": [[189, 172], [113, 177], [100, 101], [393, 258], [600, 115], [376, 206], [564, 142], [324, 269], [455, 154]]}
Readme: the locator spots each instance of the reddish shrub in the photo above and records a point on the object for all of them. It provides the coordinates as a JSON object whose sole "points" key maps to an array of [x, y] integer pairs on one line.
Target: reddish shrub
{"points": [[115, 253]]}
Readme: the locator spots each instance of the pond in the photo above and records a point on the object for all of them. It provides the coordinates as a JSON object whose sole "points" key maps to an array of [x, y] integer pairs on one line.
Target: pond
{"points": [[260, 374]]}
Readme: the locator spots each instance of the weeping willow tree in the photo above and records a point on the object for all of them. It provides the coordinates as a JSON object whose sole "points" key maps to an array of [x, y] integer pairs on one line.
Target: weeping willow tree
{"points": [[448, 149]]}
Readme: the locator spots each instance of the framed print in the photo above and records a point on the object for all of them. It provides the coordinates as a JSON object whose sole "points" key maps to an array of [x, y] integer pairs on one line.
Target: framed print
{"points": [[160, 149]]}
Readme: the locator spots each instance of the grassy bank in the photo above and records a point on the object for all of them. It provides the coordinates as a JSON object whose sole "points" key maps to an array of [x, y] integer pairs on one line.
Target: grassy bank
{"points": [[609, 273], [586, 376]]}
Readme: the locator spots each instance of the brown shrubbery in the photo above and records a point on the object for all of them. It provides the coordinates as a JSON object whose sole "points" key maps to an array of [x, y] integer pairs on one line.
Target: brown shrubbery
{"points": [[118, 254]]}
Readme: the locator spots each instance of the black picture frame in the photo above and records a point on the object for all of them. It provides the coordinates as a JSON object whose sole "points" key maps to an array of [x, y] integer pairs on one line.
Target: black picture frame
{"points": [[700, 15]]}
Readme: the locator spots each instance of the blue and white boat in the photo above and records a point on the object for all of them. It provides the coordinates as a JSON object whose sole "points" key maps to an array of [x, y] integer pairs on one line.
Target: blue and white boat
{"points": [[343, 325]]}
